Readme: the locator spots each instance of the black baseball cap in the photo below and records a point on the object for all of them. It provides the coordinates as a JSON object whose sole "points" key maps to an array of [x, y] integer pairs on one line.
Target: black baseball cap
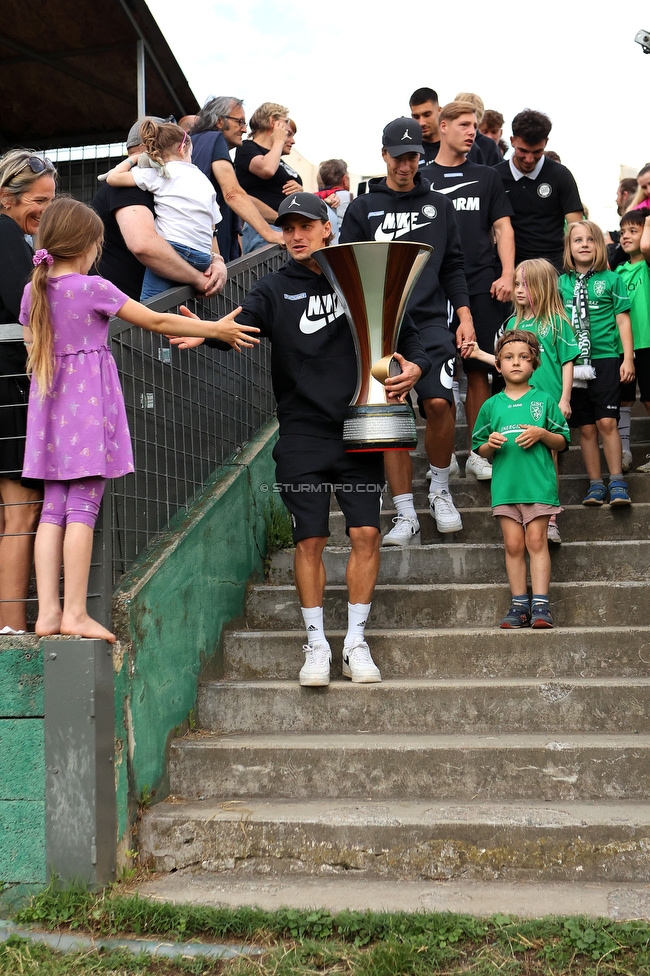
{"points": [[305, 205], [402, 136]]}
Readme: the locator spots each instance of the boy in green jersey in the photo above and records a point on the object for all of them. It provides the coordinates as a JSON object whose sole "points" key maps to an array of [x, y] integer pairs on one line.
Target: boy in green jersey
{"points": [[635, 242], [517, 430]]}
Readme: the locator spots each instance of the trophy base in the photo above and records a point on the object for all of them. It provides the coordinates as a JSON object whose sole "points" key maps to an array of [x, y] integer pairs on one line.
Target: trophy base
{"points": [[380, 427]]}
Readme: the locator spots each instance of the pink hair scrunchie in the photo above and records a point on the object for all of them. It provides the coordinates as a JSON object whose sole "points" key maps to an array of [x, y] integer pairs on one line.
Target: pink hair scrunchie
{"points": [[43, 256]]}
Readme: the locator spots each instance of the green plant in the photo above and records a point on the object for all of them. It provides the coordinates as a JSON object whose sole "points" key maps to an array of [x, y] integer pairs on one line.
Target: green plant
{"points": [[278, 528]]}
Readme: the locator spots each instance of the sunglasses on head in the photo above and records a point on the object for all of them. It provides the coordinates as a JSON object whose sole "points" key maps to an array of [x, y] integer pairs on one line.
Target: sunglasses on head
{"points": [[36, 164]]}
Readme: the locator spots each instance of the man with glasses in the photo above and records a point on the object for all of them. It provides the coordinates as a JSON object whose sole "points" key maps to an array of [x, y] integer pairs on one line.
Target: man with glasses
{"points": [[542, 193], [218, 128]]}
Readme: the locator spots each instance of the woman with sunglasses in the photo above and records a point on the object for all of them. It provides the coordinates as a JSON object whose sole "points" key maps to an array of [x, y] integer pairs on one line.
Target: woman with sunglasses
{"points": [[27, 187]]}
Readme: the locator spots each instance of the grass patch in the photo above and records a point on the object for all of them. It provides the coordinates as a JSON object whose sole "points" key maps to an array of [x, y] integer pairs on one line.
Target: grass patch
{"points": [[20, 957], [278, 528], [301, 943]]}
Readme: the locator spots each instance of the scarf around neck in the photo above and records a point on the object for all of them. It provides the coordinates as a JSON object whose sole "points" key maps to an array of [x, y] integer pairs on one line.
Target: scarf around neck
{"points": [[582, 370]]}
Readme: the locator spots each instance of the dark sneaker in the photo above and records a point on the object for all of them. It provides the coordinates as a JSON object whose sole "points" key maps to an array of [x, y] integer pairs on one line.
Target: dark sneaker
{"points": [[596, 495], [618, 493], [541, 616], [516, 617]]}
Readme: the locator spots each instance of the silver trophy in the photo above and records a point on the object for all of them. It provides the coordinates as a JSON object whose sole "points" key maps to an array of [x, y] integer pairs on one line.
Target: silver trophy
{"points": [[374, 281]]}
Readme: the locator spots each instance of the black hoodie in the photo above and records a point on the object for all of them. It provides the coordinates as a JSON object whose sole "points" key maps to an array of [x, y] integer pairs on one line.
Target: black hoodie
{"points": [[420, 215], [313, 362]]}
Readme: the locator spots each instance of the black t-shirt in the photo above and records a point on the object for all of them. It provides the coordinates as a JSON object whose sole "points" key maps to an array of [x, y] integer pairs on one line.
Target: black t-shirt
{"points": [[491, 153], [479, 199], [117, 263], [431, 150], [268, 191], [15, 269], [539, 207], [207, 148]]}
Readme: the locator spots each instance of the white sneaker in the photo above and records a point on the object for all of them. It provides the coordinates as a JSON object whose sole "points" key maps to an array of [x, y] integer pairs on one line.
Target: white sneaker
{"points": [[553, 533], [405, 532], [445, 513], [479, 466], [645, 467], [627, 461], [454, 470], [315, 672], [359, 665]]}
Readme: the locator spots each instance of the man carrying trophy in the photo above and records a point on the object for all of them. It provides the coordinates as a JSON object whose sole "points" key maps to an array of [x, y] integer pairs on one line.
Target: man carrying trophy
{"points": [[314, 375], [402, 206]]}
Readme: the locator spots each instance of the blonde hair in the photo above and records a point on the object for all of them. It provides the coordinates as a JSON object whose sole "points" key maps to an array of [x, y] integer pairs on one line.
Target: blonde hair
{"points": [[539, 278], [474, 100], [263, 117], [453, 110], [67, 230], [600, 262], [17, 173], [161, 139]]}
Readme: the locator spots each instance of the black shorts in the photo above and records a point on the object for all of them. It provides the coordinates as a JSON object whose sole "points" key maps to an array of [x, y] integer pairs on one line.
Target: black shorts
{"points": [[489, 316], [308, 470], [642, 370], [602, 397], [440, 346]]}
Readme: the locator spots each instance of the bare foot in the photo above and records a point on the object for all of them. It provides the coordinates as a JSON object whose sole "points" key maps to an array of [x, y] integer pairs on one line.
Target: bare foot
{"points": [[85, 626], [48, 624]]}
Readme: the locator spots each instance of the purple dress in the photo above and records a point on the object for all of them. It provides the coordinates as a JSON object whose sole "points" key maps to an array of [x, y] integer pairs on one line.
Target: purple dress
{"points": [[79, 429]]}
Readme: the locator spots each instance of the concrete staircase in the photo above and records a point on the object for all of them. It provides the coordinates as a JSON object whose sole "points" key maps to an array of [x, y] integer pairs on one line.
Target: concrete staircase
{"points": [[484, 754]]}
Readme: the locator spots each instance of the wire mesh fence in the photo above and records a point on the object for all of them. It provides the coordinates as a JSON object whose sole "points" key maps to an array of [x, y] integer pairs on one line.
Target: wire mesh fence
{"points": [[189, 412]]}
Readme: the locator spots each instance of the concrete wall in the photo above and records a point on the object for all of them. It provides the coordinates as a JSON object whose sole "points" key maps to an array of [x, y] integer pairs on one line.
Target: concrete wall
{"points": [[169, 614], [170, 611]]}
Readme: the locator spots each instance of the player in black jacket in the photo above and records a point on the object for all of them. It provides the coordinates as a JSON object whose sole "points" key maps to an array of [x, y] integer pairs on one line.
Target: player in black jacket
{"points": [[402, 206], [314, 374]]}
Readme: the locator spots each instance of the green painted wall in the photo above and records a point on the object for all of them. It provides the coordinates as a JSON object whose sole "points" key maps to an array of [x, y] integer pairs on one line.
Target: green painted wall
{"points": [[22, 761], [169, 614], [170, 611]]}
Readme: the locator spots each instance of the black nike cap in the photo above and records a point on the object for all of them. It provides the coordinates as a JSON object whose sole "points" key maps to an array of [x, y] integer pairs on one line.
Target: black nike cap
{"points": [[402, 136]]}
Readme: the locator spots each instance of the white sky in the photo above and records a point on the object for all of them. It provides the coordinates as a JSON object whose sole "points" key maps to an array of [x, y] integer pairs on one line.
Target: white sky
{"points": [[344, 76]]}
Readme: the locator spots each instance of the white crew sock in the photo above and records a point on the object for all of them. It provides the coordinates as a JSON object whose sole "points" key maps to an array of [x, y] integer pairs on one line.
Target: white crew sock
{"points": [[404, 505], [624, 424], [357, 617], [439, 479], [313, 617]]}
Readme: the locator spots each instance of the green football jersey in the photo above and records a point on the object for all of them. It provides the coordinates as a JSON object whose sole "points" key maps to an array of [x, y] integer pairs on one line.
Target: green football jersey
{"points": [[558, 346], [636, 278], [607, 298], [521, 475]]}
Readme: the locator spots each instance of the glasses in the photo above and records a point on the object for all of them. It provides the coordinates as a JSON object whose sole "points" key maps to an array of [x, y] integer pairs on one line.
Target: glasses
{"points": [[36, 164], [240, 122]]}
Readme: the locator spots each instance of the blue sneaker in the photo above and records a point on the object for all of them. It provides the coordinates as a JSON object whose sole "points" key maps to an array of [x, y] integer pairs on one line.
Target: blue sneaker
{"points": [[596, 495], [618, 493], [516, 617], [541, 616]]}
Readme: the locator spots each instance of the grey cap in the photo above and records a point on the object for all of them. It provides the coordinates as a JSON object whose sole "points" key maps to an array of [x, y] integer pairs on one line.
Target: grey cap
{"points": [[134, 138], [402, 136]]}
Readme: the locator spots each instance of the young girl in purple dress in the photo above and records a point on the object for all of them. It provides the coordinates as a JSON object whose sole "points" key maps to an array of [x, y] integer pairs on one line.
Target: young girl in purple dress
{"points": [[77, 431]]}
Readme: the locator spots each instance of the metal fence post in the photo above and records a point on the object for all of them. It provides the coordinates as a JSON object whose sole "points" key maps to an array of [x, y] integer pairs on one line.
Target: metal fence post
{"points": [[80, 805]]}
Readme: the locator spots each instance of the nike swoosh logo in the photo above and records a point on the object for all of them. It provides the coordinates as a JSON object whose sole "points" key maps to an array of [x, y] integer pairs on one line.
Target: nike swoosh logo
{"points": [[391, 235], [309, 326], [457, 186]]}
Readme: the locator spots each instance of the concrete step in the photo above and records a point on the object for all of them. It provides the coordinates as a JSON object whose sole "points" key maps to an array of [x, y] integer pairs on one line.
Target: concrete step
{"points": [[455, 562], [416, 840], [566, 652], [429, 707], [570, 461], [414, 606], [438, 767], [618, 901], [576, 523]]}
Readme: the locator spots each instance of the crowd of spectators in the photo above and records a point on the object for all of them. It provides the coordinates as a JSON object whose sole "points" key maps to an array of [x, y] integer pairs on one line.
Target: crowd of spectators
{"points": [[192, 197]]}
